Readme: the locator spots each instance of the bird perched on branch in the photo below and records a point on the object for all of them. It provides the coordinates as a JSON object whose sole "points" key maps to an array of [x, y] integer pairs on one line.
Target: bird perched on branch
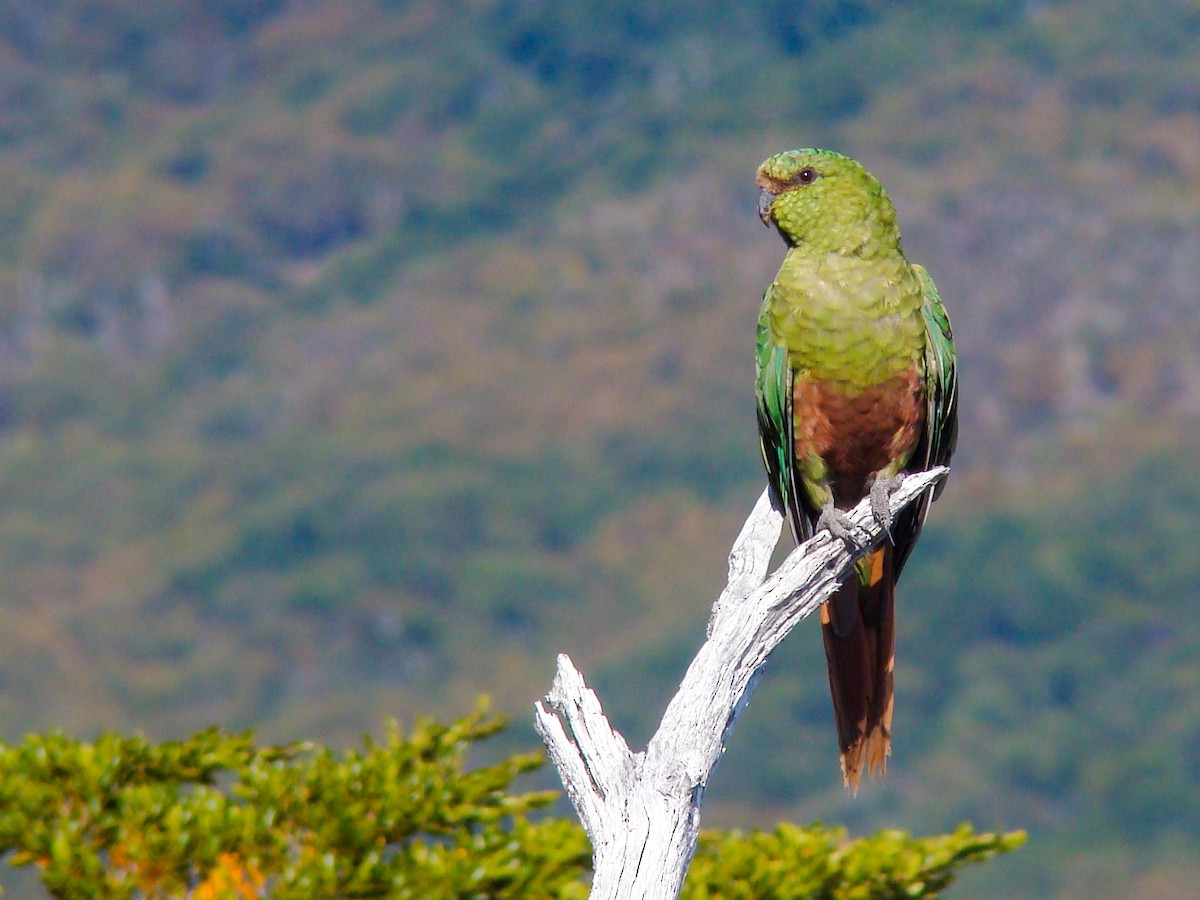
{"points": [[856, 385]]}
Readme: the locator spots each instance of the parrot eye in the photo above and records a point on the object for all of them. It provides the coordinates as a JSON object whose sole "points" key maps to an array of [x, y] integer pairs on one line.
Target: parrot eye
{"points": [[807, 175]]}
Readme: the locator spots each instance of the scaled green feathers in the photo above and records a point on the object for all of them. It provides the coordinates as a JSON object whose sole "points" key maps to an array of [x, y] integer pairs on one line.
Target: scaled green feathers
{"points": [[855, 385]]}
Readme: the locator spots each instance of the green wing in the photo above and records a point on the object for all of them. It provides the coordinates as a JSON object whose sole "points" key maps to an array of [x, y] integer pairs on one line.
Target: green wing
{"points": [[941, 413], [773, 390], [941, 380]]}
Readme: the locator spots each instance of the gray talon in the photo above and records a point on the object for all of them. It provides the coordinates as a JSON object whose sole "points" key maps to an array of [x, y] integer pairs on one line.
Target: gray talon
{"points": [[838, 523], [881, 507]]}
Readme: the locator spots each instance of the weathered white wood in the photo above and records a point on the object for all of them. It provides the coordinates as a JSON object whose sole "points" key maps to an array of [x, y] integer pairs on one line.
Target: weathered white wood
{"points": [[642, 810]]}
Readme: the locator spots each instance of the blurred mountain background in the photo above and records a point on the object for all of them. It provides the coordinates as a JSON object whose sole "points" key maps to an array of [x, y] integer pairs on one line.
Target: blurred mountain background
{"points": [[356, 358]]}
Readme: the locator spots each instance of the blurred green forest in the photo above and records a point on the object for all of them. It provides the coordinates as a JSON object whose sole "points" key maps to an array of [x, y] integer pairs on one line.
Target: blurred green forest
{"points": [[355, 358]]}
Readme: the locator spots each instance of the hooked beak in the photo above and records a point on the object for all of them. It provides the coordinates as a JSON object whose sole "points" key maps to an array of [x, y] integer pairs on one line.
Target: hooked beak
{"points": [[765, 199]]}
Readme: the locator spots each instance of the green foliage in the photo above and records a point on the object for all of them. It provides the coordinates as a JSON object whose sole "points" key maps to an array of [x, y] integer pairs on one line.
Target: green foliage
{"points": [[217, 816], [817, 863], [213, 814]]}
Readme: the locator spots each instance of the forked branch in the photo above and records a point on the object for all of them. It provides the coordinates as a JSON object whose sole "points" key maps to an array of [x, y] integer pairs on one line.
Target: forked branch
{"points": [[642, 810]]}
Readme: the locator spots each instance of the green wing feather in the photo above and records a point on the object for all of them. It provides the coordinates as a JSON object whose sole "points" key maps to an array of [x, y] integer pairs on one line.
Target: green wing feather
{"points": [[941, 413], [941, 379], [773, 390]]}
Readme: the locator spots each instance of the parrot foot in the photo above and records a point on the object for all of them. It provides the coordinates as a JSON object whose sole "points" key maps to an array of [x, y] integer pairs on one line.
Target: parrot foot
{"points": [[838, 523], [881, 507]]}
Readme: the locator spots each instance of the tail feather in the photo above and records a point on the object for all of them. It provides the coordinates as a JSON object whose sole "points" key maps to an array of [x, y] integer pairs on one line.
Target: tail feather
{"points": [[858, 625]]}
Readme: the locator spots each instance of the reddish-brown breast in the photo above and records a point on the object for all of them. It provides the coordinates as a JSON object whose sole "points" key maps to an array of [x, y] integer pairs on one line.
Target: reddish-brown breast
{"points": [[857, 431]]}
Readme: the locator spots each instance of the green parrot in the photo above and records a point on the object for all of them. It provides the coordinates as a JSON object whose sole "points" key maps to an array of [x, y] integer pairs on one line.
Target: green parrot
{"points": [[856, 385]]}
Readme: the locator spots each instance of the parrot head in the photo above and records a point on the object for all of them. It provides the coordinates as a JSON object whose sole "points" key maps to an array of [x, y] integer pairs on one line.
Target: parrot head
{"points": [[825, 202]]}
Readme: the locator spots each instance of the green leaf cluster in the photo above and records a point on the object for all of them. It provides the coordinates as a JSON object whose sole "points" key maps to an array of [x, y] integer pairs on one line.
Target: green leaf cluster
{"points": [[215, 815], [818, 863]]}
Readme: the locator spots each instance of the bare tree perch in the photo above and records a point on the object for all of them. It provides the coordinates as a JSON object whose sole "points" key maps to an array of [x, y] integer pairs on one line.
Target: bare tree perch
{"points": [[641, 811]]}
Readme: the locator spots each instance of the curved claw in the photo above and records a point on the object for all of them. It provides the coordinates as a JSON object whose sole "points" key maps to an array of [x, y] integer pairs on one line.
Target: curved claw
{"points": [[838, 523], [881, 506]]}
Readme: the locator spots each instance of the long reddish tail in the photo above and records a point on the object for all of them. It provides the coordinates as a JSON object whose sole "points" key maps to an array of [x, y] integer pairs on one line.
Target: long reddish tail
{"points": [[858, 624]]}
